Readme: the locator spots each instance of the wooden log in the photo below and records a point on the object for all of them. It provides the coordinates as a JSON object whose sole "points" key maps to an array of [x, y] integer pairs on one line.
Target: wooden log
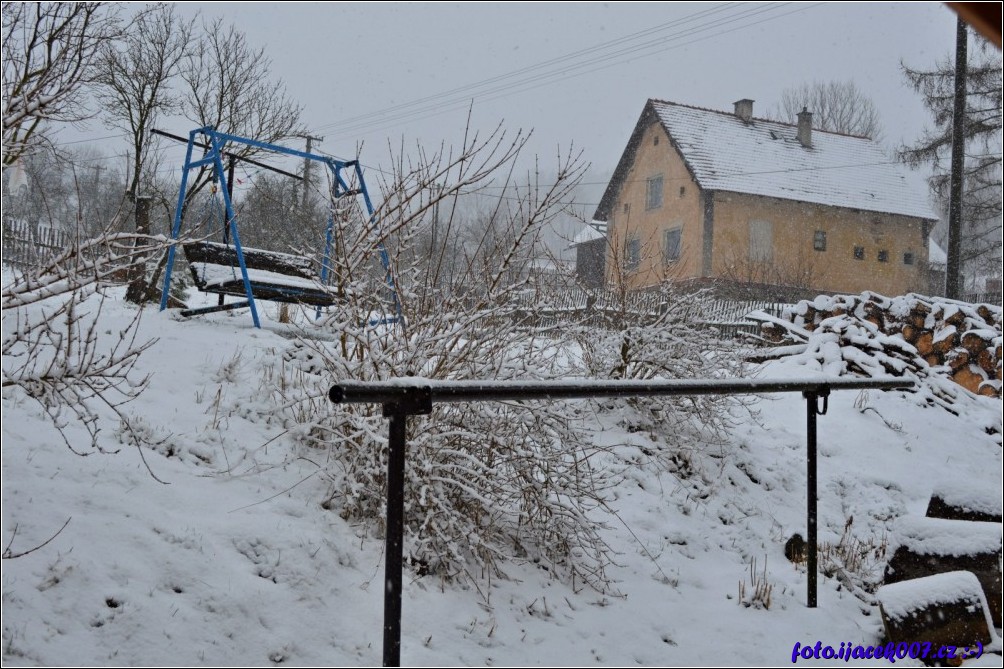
{"points": [[933, 360], [961, 501], [910, 333], [928, 546], [956, 317], [974, 342], [925, 343], [945, 340], [990, 389], [943, 610], [875, 315], [958, 360], [985, 359], [918, 315], [969, 377], [985, 313]]}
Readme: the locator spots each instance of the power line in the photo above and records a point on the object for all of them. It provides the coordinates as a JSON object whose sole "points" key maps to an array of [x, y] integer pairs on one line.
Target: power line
{"points": [[523, 70], [590, 65]]}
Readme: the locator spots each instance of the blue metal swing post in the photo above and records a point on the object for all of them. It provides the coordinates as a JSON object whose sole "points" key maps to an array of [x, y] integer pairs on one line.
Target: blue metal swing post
{"points": [[213, 157]]}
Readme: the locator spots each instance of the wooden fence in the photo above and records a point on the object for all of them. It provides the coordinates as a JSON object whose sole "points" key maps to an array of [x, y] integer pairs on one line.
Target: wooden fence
{"points": [[26, 246]]}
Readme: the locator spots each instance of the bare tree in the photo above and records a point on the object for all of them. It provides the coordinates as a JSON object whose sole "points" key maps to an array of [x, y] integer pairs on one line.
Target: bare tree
{"points": [[48, 54], [981, 202], [228, 85], [836, 106], [134, 75]]}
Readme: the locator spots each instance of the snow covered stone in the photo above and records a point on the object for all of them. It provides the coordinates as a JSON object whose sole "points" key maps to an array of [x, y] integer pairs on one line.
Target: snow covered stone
{"points": [[927, 546], [962, 501], [945, 609]]}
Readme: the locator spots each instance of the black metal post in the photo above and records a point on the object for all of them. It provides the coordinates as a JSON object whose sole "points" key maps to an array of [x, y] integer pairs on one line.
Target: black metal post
{"points": [[811, 411], [395, 535]]}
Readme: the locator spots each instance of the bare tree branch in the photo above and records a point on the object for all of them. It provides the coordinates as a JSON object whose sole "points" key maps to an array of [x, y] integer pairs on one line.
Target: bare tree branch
{"points": [[49, 49], [836, 106]]}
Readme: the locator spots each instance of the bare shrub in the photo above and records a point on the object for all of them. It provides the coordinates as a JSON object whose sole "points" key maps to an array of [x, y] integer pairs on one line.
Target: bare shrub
{"points": [[669, 341], [57, 347], [486, 483]]}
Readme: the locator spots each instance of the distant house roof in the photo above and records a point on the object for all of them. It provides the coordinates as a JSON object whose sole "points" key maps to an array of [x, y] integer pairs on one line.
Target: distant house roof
{"points": [[765, 158], [590, 233], [936, 255]]}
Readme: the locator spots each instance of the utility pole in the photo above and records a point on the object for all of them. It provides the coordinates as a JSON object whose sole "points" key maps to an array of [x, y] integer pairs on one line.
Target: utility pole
{"points": [[306, 166], [953, 280]]}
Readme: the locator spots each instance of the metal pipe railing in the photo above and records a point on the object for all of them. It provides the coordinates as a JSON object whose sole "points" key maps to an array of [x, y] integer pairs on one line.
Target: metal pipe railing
{"points": [[415, 396]]}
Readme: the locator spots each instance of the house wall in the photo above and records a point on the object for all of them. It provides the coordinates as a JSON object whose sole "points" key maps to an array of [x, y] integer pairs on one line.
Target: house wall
{"points": [[589, 262], [793, 260], [649, 225], [794, 225]]}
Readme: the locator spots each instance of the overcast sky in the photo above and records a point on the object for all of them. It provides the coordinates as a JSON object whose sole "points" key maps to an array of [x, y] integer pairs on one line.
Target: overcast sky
{"points": [[348, 64]]}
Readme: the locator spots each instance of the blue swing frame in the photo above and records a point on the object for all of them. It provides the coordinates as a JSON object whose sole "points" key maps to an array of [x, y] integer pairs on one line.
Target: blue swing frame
{"points": [[213, 157]]}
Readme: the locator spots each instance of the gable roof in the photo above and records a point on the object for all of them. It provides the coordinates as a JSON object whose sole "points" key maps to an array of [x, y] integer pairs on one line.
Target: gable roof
{"points": [[765, 158], [590, 233]]}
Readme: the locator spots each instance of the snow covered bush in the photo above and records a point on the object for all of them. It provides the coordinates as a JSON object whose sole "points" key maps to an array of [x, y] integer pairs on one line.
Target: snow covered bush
{"points": [[486, 483], [672, 342]]}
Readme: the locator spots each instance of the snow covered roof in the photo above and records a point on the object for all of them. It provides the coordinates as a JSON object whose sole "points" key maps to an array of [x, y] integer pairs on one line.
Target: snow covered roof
{"points": [[590, 233], [935, 254], [765, 158]]}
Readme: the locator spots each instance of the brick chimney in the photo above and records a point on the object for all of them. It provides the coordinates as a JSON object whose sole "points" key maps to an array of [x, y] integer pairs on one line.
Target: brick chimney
{"points": [[805, 128], [744, 110]]}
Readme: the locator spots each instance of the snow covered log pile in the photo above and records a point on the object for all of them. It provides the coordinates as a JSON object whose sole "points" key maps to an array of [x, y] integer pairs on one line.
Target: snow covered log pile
{"points": [[872, 335], [925, 546], [947, 609]]}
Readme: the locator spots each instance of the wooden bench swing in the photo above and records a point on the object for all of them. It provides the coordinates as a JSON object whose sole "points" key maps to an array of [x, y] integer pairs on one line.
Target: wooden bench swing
{"points": [[230, 269]]}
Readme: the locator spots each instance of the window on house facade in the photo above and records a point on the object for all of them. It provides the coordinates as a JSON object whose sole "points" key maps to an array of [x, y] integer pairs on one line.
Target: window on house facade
{"points": [[683, 191], [632, 254], [859, 253], [671, 245], [907, 258], [653, 193], [761, 241], [883, 256], [819, 240]]}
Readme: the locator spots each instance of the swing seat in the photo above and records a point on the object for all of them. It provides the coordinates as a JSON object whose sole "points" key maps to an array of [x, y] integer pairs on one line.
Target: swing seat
{"points": [[276, 277]]}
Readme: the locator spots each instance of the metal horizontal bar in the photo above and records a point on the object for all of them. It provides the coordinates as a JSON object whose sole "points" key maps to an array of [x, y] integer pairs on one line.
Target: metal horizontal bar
{"points": [[203, 145], [475, 391], [275, 148], [219, 307]]}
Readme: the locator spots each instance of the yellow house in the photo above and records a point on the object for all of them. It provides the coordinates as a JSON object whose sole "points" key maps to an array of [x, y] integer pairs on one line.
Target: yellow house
{"points": [[700, 193]]}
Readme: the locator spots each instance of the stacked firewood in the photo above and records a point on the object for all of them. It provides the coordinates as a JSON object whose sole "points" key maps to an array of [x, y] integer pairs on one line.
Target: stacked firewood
{"points": [[911, 332]]}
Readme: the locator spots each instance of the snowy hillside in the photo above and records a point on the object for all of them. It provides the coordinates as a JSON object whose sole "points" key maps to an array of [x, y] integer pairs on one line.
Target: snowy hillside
{"points": [[226, 554]]}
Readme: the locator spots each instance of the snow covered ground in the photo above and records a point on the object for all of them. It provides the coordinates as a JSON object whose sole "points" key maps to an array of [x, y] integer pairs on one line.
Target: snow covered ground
{"points": [[233, 560]]}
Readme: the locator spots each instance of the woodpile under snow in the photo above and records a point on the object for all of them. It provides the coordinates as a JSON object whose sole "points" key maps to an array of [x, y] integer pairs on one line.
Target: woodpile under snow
{"points": [[872, 335]]}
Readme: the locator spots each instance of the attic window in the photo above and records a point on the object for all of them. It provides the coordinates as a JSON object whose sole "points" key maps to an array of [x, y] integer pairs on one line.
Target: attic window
{"points": [[655, 140], [883, 256], [653, 193], [859, 253], [907, 258], [683, 189], [819, 240]]}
